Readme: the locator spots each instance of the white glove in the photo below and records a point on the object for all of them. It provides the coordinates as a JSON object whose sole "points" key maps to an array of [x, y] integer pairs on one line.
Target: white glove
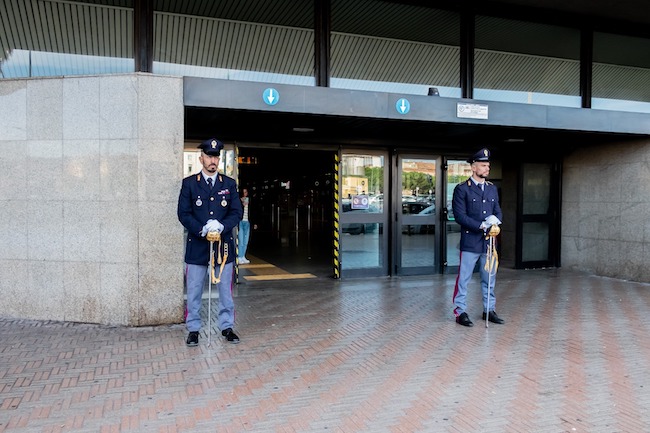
{"points": [[214, 226], [211, 226], [484, 226], [492, 220]]}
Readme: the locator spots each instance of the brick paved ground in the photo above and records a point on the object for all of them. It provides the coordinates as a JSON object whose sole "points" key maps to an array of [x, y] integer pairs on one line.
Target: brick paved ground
{"points": [[380, 355]]}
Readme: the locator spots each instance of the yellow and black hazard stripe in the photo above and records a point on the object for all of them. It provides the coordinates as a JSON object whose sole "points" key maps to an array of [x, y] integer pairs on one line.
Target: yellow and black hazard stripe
{"points": [[336, 249], [237, 237]]}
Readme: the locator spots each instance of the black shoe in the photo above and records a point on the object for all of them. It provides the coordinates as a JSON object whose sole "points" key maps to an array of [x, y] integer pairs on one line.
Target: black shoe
{"points": [[463, 319], [494, 318], [193, 339], [230, 335]]}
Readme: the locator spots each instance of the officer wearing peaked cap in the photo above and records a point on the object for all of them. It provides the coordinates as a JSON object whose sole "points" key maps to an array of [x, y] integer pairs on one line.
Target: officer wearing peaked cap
{"points": [[476, 208], [209, 202], [482, 155], [211, 147]]}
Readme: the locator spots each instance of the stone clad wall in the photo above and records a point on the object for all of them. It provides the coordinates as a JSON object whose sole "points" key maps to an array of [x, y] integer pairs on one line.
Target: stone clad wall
{"points": [[90, 169], [606, 210]]}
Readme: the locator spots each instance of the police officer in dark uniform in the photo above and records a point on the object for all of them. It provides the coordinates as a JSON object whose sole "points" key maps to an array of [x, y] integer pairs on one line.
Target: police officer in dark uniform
{"points": [[476, 208], [209, 202]]}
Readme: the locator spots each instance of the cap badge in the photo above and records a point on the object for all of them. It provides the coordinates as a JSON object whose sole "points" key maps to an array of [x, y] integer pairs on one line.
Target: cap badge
{"points": [[485, 152], [214, 144]]}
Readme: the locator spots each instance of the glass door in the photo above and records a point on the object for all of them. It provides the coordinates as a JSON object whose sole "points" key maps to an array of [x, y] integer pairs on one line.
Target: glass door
{"points": [[417, 241], [538, 208], [363, 214], [457, 171]]}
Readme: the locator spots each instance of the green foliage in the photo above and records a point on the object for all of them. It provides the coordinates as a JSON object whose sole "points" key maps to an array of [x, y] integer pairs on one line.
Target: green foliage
{"points": [[456, 179], [375, 176], [414, 180]]}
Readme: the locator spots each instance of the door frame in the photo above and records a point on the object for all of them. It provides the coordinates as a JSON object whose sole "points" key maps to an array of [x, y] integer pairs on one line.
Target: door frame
{"points": [[552, 217], [384, 223], [397, 217]]}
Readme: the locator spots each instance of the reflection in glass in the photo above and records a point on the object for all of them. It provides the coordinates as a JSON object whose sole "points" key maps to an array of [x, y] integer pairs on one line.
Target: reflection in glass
{"points": [[192, 165], [228, 162], [379, 46], [234, 50], [22, 63], [620, 105], [418, 245], [230, 74], [536, 188], [363, 251], [389, 87], [418, 219], [535, 241], [457, 172], [519, 97], [362, 217], [362, 183], [418, 181], [621, 73], [525, 62], [453, 243], [55, 38]]}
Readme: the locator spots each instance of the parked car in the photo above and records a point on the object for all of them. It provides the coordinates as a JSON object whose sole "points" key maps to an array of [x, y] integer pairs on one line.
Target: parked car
{"points": [[377, 201], [413, 208], [358, 228], [423, 210]]}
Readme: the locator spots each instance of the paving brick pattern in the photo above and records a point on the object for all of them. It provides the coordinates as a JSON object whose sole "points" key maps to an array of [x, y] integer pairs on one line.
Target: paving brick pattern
{"points": [[379, 355]]}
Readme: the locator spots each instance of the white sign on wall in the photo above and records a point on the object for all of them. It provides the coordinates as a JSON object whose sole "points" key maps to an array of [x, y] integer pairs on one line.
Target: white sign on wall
{"points": [[472, 111]]}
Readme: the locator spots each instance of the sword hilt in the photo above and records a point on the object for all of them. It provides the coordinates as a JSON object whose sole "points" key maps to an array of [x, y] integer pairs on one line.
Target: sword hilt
{"points": [[213, 236]]}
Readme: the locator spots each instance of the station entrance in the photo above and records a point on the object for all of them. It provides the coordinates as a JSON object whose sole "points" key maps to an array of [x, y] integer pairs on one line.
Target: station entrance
{"points": [[291, 209], [393, 212]]}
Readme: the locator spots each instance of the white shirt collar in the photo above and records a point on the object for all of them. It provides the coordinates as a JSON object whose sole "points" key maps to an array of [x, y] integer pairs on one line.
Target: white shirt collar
{"points": [[206, 177]]}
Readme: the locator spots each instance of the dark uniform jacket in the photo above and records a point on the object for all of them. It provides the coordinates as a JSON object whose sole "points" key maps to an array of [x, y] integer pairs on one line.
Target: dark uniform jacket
{"points": [[197, 204], [471, 206]]}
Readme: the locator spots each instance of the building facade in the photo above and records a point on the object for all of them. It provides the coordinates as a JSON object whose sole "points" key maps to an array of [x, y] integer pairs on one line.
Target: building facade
{"points": [[349, 121]]}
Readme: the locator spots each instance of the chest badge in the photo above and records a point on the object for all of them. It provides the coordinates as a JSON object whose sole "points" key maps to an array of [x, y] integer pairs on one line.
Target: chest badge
{"points": [[198, 201], [224, 203]]}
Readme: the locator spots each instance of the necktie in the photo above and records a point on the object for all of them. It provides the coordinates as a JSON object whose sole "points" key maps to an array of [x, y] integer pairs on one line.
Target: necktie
{"points": [[210, 182], [482, 185]]}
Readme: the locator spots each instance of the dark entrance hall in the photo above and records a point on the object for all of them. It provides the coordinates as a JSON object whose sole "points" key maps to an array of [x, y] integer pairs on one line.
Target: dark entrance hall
{"points": [[291, 195]]}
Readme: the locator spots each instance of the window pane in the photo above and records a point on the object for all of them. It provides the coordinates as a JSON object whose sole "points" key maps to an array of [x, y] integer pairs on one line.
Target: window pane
{"points": [[362, 204], [418, 246], [536, 188], [621, 73], [535, 242], [362, 176], [418, 186], [364, 250], [52, 38], [457, 171], [390, 47], [525, 62], [235, 40]]}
